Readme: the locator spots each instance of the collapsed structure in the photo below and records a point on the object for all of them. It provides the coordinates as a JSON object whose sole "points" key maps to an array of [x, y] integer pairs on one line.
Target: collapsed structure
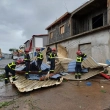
{"points": [[65, 69]]}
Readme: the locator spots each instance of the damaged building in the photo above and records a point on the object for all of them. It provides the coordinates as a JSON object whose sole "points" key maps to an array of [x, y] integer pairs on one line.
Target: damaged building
{"points": [[87, 28], [36, 41]]}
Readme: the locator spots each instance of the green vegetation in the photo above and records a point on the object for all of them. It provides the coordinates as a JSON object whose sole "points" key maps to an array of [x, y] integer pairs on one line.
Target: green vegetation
{"points": [[2, 76], [2, 104]]}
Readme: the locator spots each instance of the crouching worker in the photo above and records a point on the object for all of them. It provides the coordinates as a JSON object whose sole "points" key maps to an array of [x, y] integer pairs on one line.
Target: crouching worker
{"points": [[79, 59], [10, 68]]}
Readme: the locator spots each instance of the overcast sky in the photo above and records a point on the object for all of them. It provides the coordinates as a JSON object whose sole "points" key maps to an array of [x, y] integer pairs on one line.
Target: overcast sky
{"points": [[20, 19]]}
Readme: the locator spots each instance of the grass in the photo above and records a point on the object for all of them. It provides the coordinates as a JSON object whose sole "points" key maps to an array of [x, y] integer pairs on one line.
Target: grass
{"points": [[3, 104], [2, 76]]}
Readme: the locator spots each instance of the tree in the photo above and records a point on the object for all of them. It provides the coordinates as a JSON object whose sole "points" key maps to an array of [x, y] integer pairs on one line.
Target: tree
{"points": [[13, 50]]}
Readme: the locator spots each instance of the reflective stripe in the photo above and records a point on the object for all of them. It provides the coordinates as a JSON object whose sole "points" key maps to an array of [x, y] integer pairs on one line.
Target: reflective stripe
{"points": [[78, 59], [41, 56], [84, 54], [26, 73], [51, 70], [13, 76], [39, 71], [9, 65], [6, 78], [52, 56], [79, 73], [12, 68], [76, 73]]}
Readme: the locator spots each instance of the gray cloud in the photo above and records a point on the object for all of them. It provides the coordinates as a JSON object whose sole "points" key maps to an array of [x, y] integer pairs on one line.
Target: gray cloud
{"points": [[20, 19]]}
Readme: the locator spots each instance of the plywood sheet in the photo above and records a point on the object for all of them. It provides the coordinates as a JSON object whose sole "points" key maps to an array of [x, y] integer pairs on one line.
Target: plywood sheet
{"points": [[44, 55], [64, 64], [58, 68], [61, 51]]}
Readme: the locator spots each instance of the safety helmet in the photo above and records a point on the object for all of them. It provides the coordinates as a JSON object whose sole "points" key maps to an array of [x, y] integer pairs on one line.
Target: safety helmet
{"points": [[53, 49], [37, 49], [26, 50], [78, 52]]}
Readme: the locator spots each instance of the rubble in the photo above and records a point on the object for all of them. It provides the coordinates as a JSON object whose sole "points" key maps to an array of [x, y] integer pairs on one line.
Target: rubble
{"points": [[44, 79]]}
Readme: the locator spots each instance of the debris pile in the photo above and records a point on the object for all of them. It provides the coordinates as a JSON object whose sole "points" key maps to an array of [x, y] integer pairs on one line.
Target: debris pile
{"points": [[64, 69]]}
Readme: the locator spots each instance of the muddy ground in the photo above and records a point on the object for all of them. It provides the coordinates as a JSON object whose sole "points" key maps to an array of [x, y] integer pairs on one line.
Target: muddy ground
{"points": [[70, 95]]}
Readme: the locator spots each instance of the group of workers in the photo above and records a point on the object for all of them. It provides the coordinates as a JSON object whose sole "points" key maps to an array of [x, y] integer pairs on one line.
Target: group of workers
{"points": [[51, 53]]}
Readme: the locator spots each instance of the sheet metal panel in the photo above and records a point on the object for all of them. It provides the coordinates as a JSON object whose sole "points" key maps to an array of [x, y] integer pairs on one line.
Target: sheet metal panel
{"points": [[24, 85], [84, 76]]}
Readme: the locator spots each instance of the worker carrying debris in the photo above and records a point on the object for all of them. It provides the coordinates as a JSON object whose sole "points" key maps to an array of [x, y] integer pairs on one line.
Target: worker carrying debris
{"points": [[52, 56], [10, 68], [39, 58], [79, 59], [48, 52], [27, 63]]}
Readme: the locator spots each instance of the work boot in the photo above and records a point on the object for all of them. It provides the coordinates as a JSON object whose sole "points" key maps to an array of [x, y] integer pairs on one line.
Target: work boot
{"points": [[79, 75], [26, 76], [14, 79], [76, 75], [6, 81]]}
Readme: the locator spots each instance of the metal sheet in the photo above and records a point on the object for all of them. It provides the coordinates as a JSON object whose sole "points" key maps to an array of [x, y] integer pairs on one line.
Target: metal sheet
{"points": [[90, 63], [25, 85], [84, 76]]}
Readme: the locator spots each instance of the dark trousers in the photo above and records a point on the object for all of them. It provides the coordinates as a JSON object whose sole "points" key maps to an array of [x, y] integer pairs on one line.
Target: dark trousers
{"points": [[7, 70], [39, 62], [78, 67], [27, 64], [52, 65]]}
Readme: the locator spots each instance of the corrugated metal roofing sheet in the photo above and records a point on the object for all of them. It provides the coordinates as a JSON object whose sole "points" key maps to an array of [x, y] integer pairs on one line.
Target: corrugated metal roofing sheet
{"points": [[25, 85], [84, 76], [72, 65], [90, 63]]}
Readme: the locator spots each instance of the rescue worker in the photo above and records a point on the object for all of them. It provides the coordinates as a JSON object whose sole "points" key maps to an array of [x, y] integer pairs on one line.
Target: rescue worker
{"points": [[10, 68], [79, 59], [52, 56], [27, 63], [48, 52], [83, 55], [39, 59]]}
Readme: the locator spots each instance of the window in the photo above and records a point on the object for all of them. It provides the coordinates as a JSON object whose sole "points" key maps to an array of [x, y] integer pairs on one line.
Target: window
{"points": [[51, 35], [97, 21], [62, 29]]}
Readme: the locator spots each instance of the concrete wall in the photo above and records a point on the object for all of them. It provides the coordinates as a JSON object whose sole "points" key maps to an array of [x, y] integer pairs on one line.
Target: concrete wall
{"points": [[45, 40], [100, 45]]}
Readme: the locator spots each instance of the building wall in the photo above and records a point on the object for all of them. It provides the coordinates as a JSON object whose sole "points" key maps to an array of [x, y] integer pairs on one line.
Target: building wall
{"points": [[100, 45], [45, 40], [56, 31], [84, 22]]}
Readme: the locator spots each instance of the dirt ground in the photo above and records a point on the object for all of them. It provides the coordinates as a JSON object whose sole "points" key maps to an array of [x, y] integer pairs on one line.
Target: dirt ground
{"points": [[70, 95]]}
